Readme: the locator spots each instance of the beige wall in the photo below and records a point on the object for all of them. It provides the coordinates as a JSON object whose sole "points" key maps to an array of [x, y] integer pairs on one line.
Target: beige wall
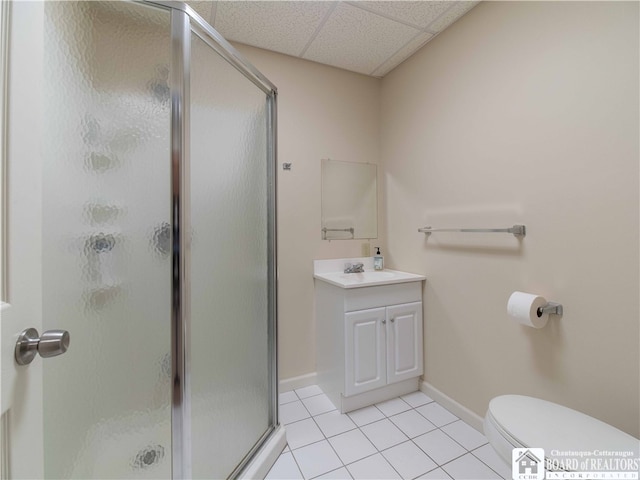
{"points": [[323, 112], [523, 112]]}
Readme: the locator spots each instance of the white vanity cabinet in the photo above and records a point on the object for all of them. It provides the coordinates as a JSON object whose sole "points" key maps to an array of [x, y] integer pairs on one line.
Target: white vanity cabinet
{"points": [[369, 341], [382, 346]]}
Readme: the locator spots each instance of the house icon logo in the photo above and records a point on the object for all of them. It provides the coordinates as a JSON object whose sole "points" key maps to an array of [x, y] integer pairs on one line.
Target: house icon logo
{"points": [[527, 463]]}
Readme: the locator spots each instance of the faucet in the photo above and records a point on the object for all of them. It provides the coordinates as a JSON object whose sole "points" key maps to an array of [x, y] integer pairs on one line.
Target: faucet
{"points": [[357, 268]]}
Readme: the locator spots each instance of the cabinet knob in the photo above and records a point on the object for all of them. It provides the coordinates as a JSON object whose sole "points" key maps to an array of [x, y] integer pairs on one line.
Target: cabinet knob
{"points": [[393, 320], [384, 322]]}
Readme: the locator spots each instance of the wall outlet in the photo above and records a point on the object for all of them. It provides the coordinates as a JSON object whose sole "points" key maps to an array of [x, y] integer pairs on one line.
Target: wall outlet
{"points": [[365, 250]]}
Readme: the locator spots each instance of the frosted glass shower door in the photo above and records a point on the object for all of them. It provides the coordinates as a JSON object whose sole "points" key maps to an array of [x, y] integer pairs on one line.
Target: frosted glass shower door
{"points": [[106, 240], [230, 354], [146, 154]]}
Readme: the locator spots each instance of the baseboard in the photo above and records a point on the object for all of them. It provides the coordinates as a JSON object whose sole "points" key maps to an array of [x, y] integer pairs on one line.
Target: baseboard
{"points": [[293, 383], [454, 407]]}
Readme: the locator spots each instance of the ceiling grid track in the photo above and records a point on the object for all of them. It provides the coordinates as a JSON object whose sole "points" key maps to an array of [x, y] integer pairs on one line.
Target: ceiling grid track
{"points": [[320, 26], [366, 37]]}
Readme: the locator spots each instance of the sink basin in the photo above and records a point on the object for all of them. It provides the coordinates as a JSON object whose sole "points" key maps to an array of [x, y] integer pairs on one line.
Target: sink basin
{"points": [[367, 278]]}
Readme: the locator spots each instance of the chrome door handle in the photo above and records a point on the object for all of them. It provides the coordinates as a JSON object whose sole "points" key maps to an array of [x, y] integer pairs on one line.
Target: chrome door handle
{"points": [[50, 344]]}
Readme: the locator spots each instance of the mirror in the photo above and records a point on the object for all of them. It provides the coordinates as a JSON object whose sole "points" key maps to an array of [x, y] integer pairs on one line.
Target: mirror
{"points": [[349, 200]]}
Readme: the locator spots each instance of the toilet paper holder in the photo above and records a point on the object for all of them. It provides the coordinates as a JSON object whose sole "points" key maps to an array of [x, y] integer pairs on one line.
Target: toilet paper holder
{"points": [[552, 308]]}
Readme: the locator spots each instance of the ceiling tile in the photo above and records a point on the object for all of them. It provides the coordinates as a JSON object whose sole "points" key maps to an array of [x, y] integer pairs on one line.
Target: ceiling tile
{"points": [[418, 14], [408, 50], [284, 27], [203, 7], [370, 37], [453, 14], [358, 40]]}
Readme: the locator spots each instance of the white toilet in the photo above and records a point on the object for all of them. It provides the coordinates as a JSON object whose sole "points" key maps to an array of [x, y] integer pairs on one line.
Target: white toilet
{"points": [[516, 421]]}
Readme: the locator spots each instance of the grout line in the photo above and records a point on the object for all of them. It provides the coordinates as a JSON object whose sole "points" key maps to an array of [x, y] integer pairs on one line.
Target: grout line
{"points": [[287, 403], [449, 477], [379, 452], [431, 400], [365, 457], [396, 398], [326, 438], [453, 459], [334, 451], [335, 470], [312, 443], [331, 436], [428, 456], [365, 436], [390, 464], [470, 452], [444, 424], [391, 446], [482, 461], [297, 465], [436, 468], [369, 423], [466, 451], [452, 438], [402, 443]]}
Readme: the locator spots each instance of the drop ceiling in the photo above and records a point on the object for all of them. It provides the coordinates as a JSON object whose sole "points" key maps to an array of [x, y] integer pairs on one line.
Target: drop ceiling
{"points": [[367, 37]]}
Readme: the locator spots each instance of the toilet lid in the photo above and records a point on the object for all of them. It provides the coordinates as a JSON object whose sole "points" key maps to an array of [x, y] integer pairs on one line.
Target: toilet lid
{"points": [[536, 423]]}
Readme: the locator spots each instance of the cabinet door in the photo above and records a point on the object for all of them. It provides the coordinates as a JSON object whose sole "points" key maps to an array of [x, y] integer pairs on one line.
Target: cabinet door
{"points": [[404, 342], [365, 364]]}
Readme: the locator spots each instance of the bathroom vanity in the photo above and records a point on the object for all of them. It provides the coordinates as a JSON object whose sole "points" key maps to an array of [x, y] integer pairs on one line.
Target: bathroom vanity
{"points": [[368, 333]]}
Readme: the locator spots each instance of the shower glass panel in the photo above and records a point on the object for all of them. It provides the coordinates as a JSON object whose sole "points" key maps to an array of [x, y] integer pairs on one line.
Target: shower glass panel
{"points": [[106, 240], [229, 304]]}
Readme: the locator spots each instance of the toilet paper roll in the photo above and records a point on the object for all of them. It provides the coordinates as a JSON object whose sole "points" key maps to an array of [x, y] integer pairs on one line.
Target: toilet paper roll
{"points": [[523, 308]]}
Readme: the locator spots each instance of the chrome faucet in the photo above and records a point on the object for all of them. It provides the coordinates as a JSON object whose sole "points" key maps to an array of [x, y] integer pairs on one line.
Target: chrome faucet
{"points": [[357, 268]]}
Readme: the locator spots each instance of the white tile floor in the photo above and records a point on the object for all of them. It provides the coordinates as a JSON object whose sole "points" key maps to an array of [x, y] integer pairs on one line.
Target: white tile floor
{"points": [[404, 438]]}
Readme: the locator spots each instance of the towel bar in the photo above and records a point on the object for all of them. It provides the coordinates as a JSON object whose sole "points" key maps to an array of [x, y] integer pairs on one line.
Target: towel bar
{"points": [[517, 230]]}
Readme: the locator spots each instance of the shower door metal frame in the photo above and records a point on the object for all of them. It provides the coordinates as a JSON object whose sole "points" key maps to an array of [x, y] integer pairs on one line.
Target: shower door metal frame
{"points": [[180, 320], [185, 20]]}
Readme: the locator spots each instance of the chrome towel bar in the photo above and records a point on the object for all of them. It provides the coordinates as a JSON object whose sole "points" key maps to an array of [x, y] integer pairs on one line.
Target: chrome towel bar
{"points": [[325, 230], [517, 230]]}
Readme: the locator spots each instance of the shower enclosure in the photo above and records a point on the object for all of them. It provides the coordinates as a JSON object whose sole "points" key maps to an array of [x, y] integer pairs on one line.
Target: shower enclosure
{"points": [[157, 242]]}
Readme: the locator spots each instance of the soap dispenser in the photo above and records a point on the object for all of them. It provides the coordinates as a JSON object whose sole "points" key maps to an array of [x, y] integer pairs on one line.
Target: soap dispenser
{"points": [[378, 260]]}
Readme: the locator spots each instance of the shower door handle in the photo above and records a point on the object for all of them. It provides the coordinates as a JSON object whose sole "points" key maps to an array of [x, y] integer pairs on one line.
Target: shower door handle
{"points": [[50, 344]]}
